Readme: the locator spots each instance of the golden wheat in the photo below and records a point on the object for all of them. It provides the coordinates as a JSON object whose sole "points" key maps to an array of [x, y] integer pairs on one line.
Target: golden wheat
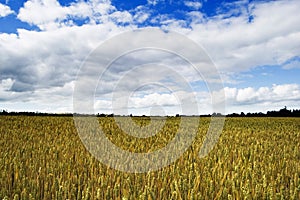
{"points": [[255, 158]]}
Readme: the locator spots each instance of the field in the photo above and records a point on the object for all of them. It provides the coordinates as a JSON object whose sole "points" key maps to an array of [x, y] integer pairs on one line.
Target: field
{"points": [[255, 158]]}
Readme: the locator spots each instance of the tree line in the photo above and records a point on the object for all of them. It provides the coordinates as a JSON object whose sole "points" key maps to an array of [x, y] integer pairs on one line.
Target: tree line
{"points": [[284, 112]]}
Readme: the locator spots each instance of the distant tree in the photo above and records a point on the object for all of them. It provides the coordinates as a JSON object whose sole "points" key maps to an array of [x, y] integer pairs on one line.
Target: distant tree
{"points": [[284, 112], [233, 115], [296, 113]]}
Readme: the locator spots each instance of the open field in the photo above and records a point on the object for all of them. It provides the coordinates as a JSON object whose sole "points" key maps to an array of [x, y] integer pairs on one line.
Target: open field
{"points": [[255, 158]]}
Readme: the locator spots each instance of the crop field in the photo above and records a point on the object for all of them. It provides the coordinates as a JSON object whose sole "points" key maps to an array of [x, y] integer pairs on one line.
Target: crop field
{"points": [[254, 158]]}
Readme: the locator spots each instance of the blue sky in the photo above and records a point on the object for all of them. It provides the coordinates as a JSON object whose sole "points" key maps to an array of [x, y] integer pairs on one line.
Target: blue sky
{"points": [[253, 44]]}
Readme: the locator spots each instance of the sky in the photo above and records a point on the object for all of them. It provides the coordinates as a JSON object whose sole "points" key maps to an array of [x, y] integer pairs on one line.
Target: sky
{"points": [[253, 44]]}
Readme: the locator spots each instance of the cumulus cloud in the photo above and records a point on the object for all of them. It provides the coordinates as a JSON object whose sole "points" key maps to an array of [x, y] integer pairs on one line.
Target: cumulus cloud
{"points": [[5, 10], [57, 16], [42, 11], [51, 58], [276, 93], [236, 44], [250, 99]]}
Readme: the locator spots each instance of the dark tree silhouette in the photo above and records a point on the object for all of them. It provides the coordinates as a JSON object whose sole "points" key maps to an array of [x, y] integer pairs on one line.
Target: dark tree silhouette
{"points": [[284, 112]]}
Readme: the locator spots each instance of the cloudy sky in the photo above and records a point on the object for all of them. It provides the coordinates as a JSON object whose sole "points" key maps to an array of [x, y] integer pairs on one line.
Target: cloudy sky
{"points": [[254, 45]]}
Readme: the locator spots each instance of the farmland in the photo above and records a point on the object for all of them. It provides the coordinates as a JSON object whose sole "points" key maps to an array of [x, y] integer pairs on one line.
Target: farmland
{"points": [[255, 158]]}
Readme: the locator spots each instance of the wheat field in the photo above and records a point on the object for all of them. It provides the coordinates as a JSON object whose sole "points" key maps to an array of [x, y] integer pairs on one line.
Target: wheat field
{"points": [[255, 158]]}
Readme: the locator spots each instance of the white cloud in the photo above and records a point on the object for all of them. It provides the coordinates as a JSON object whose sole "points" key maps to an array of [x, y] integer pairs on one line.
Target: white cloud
{"points": [[9, 97], [50, 58], [81, 9], [288, 91], [251, 99], [152, 2], [152, 100], [246, 94], [276, 93], [121, 17], [230, 93], [142, 13], [235, 44], [193, 4], [6, 84], [56, 16], [5, 10], [41, 12], [196, 17]]}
